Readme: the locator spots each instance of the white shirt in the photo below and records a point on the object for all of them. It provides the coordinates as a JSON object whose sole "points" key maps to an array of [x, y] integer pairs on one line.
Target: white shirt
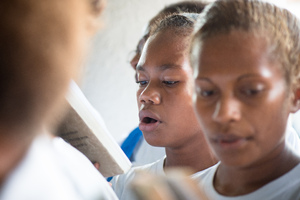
{"points": [[295, 122], [54, 170], [121, 183], [286, 187], [292, 139], [144, 153]]}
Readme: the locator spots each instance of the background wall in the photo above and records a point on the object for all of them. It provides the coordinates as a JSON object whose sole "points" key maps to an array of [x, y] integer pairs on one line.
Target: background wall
{"points": [[108, 80]]}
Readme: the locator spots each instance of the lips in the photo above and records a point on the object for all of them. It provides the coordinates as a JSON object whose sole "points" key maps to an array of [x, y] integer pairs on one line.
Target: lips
{"points": [[148, 121], [227, 141]]}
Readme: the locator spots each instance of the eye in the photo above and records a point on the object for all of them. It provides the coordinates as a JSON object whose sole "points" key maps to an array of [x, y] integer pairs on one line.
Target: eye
{"points": [[170, 83], [205, 93], [206, 89], [250, 92], [142, 83]]}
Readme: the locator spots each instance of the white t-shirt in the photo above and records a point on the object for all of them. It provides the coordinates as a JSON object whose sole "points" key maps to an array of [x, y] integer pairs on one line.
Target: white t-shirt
{"points": [[144, 153], [292, 139], [121, 183], [286, 187], [54, 170], [295, 122]]}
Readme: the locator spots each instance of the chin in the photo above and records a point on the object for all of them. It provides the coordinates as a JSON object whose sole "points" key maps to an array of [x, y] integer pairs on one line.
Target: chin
{"points": [[153, 140], [235, 161]]}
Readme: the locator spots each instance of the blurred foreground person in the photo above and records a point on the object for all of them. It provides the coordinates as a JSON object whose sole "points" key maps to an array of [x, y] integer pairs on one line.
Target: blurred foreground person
{"points": [[43, 44]]}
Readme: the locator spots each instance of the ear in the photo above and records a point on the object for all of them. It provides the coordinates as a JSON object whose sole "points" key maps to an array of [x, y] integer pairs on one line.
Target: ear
{"points": [[295, 106]]}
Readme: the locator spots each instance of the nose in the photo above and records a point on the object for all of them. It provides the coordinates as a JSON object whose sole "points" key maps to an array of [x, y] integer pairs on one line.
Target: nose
{"points": [[227, 110], [150, 95]]}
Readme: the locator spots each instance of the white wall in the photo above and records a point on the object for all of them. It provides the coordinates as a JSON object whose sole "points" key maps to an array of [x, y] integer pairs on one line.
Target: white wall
{"points": [[109, 80]]}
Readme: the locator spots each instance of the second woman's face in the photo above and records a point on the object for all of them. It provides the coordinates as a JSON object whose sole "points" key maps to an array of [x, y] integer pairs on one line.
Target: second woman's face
{"points": [[241, 99], [165, 90]]}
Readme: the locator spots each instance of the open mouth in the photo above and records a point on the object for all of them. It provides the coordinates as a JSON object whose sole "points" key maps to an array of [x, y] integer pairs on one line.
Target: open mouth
{"points": [[149, 124], [149, 120]]}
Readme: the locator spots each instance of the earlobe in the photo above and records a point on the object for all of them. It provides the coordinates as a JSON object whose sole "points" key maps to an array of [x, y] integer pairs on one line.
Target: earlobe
{"points": [[295, 101]]}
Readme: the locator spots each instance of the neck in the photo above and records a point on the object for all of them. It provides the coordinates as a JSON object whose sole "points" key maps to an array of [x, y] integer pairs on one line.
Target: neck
{"points": [[234, 181], [195, 155], [13, 147]]}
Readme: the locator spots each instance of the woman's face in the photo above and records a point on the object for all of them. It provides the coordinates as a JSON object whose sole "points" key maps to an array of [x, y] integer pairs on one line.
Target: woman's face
{"points": [[241, 99], [165, 90]]}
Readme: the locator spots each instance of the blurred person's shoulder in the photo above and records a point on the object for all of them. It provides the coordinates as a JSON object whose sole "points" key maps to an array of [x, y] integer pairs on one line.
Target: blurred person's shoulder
{"points": [[52, 169]]}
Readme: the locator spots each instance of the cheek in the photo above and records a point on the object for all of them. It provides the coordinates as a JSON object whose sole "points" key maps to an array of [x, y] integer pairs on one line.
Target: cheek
{"points": [[273, 115], [203, 114], [275, 106], [199, 109], [183, 99], [184, 109]]}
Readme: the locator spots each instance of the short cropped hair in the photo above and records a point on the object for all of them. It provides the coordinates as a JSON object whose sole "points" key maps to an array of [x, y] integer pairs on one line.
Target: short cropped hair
{"points": [[172, 9], [182, 24], [181, 7]]}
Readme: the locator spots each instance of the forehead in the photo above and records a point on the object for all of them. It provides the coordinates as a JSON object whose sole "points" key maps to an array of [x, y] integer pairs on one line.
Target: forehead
{"points": [[165, 47], [236, 49]]}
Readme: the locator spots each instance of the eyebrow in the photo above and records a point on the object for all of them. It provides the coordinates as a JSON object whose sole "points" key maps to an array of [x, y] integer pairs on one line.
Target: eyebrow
{"points": [[161, 68], [203, 79], [239, 78], [247, 76]]}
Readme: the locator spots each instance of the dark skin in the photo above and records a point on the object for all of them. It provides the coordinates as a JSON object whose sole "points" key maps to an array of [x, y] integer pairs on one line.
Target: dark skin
{"points": [[165, 91], [243, 103]]}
